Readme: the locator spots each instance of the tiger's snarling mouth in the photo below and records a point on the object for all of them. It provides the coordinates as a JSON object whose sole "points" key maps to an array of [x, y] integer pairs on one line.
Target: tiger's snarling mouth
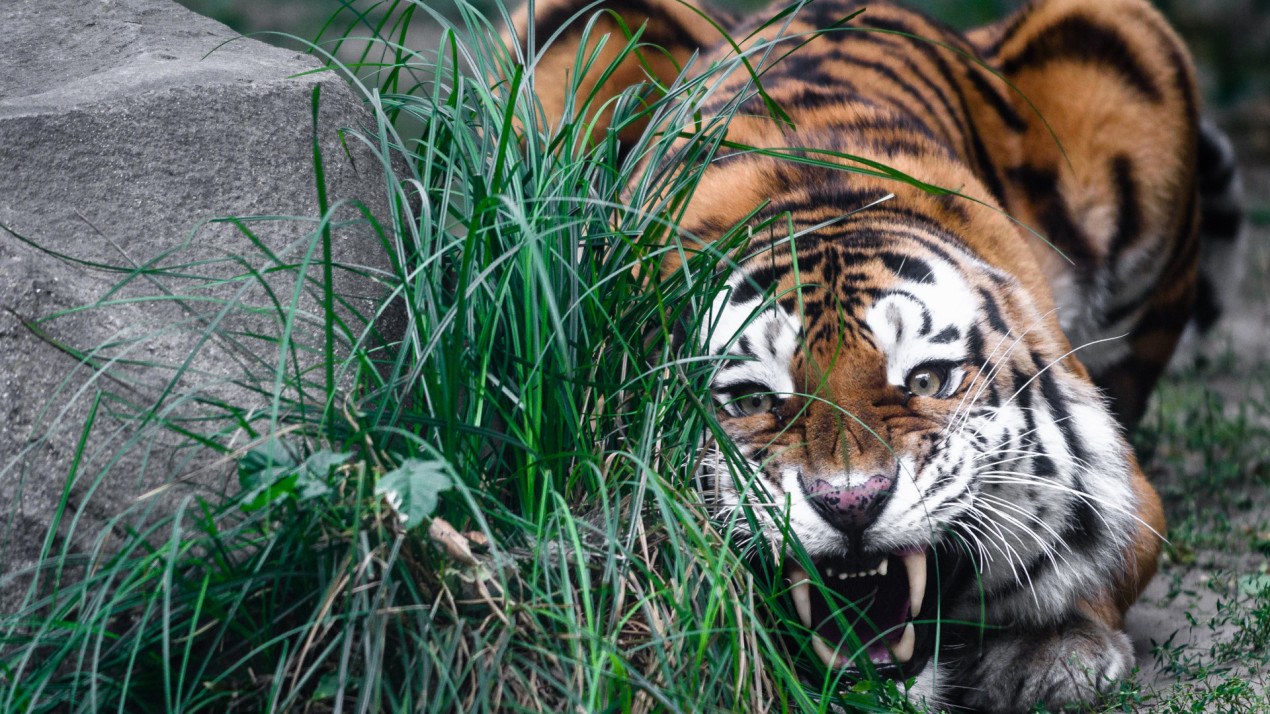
{"points": [[879, 599]]}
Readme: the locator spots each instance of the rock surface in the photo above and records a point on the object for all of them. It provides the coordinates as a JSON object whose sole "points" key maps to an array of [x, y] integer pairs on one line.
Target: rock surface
{"points": [[119, 135]]}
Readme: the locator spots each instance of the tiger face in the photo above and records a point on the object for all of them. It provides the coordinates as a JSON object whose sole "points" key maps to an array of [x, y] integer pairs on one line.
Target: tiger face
{"points": [[908, 413]]}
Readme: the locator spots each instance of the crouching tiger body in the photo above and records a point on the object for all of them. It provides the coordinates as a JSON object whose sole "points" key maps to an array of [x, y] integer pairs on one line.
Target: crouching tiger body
{"points": [[929, 395]]}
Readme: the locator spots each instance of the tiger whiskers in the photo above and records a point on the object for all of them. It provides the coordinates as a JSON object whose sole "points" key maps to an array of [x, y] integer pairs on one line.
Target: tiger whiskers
{"points": [[1000, 544], [995, 504], [992, 375], [1055, 361], [981, 513], [993, 499], [1023, 478], [1020, 478]]}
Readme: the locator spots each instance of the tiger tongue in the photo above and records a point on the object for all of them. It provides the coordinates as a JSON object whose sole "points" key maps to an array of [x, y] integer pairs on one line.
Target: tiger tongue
{"points": [[900, 650]]}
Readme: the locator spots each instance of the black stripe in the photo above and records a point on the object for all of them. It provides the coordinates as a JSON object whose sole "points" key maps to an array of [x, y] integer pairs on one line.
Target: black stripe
{"points": [[756, 280], [1042, 465], [1058, 411], [946, 335], [807, 260], [1037, 182], [994, 314], [987, 169], [1126, 306], [1129, 214], [1041, 185], [899, 82], [1078, 38], [807, 66], [1171, 317], [806, 98], [890, 147], [1083, 525], [907, 267], [666, 34], [1064, 233], [999, 103], [974, 345], [827, 188], [927, 322], [1007, 33], [902, 125], [1215, 180]]}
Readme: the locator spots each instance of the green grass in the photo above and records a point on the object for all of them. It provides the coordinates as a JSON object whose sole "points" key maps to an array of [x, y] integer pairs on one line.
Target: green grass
{"points": [[1212, 450], [534, 398]]}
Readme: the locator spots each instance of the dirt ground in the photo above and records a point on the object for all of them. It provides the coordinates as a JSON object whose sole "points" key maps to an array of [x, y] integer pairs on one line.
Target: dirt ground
{"points": [[1193, 604]]}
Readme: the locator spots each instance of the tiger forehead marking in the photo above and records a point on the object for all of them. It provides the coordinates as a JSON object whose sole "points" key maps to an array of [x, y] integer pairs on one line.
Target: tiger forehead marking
{"points": [[926, 319], [914, 310]]}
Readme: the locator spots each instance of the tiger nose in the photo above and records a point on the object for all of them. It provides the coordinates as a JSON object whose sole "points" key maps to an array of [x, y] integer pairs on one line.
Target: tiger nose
{"points": [[850, 509]]}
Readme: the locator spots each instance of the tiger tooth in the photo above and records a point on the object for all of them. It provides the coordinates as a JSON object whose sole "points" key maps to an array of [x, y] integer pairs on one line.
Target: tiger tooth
{"points": [[903, 650], [872, 572], [801, 593], [915, 564], [832, 659], [843, 576], [829, 572], [882, 568]]}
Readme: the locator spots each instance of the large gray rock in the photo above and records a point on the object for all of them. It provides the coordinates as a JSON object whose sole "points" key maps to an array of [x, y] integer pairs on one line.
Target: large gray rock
{"points": [[119, 133]]}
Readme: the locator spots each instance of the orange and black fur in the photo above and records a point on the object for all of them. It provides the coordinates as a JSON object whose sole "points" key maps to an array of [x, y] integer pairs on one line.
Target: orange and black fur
{"points": [[935, 399]]}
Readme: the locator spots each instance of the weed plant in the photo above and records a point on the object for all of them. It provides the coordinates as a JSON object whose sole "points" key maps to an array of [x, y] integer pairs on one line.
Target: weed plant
{"points": [[473, 495]]}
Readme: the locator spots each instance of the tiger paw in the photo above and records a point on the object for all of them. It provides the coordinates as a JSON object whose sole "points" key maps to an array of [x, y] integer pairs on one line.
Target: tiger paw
{"points": [[1063, 669]]}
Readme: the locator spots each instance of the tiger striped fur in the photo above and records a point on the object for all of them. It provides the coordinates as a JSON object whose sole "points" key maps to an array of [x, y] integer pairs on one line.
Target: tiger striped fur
{"points": [[931, 397]]}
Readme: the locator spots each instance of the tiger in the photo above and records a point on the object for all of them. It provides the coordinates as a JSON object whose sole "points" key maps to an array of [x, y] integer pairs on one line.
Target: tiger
{"points": [[931, 390]]}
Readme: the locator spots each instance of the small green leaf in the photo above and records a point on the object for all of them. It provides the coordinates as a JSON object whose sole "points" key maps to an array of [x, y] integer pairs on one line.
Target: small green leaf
{"points": [[314, 475], [412, 488], [271, 472], [269, 491], [262, 462], [266, 474], [327, 687]]}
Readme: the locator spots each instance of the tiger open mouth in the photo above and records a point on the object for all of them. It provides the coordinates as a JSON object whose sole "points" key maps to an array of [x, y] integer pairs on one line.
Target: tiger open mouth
{"points": [[879, 599]]}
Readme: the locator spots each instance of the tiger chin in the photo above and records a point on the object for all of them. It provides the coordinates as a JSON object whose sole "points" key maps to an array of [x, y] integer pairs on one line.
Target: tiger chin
{"points": [[930, 392]]}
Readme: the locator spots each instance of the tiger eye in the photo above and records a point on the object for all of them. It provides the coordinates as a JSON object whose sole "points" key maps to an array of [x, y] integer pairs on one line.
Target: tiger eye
{"points": [[752, 404], [924, 383]]}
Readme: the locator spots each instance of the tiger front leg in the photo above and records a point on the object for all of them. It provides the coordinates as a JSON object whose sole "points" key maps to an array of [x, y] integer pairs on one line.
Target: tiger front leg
{"points": [[1074, 661], [1072, 664]]}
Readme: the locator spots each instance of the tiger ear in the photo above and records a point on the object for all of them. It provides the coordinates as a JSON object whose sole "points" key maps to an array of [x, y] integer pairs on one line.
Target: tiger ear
{"points": [[611, 61]]}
